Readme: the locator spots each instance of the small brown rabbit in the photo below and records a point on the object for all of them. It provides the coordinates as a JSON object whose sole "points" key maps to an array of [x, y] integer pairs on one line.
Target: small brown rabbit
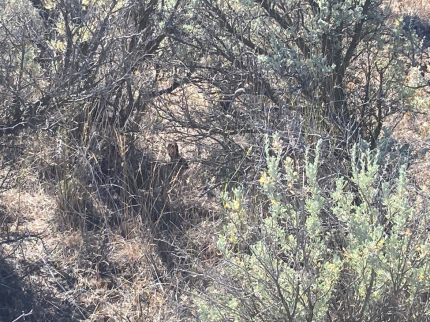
{"points": [[178, 162]]}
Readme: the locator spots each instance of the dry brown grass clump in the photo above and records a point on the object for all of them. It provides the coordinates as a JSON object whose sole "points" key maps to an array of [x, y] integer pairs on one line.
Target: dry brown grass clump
{"points": [[420, 8], [128, 269], [91, 276]]}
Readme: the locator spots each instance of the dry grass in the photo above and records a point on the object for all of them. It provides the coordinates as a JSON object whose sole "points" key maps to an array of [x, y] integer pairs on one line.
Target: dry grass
{"points": [[117, 273], [420, 8], [129, 270], [93, 276]]}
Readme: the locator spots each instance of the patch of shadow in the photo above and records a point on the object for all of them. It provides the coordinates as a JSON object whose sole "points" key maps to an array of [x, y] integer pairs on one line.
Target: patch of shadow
{"points": [[164, 236], [14, 300], [20, 301], [414, 24]]}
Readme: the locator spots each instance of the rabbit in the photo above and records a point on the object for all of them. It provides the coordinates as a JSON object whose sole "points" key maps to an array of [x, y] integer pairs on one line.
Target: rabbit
{"points": [[178, 162], [167, 181], [166, 175]]}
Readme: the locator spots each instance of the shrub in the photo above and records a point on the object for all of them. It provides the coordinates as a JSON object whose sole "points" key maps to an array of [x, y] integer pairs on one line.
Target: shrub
{"points": [[357, 251]]}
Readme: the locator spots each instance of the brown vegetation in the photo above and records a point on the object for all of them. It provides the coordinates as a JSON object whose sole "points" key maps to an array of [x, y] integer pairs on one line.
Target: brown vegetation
{"points": [[100, 219]]}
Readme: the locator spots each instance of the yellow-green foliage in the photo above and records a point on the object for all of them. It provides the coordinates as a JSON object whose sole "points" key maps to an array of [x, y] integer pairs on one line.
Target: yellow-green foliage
{"points": [[281, 265]]}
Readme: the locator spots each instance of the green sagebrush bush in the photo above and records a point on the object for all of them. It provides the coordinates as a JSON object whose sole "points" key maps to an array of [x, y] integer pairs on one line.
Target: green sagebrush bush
{"points": [[300, 252]]}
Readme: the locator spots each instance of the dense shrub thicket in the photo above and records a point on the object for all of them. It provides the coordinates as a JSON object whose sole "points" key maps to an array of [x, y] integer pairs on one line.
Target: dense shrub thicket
{"points": [[210, 69], [92, 92]]}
